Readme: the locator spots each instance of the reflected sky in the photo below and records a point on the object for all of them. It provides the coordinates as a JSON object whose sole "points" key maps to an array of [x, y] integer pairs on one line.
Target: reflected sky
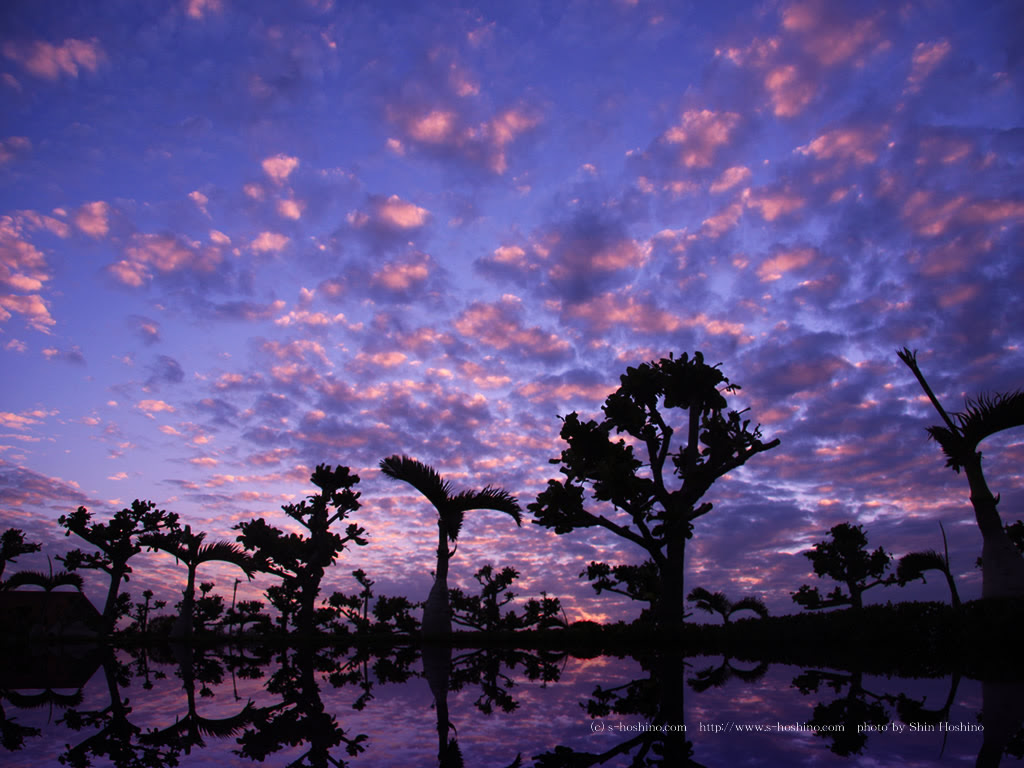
{"points": [[400, 719]]}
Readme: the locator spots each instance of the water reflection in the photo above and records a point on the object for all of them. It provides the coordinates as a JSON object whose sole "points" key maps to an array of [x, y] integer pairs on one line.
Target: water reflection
{"points": [[493, 706]]}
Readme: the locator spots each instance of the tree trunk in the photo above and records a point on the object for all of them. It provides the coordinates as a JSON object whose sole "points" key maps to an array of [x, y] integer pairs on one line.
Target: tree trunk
{"points": [[110, 607], [182, 628], [437, 618], [1002, 566], [670, 608]]}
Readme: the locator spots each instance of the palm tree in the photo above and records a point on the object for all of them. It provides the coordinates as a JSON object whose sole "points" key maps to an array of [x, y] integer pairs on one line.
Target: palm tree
{"points": [[717, 602], [1002, 564], [48, 582], [189, 548], [451, 509], [913, 565]]}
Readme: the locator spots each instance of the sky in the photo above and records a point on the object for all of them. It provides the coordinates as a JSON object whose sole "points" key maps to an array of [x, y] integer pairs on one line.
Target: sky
{"points": [[238, 240]]}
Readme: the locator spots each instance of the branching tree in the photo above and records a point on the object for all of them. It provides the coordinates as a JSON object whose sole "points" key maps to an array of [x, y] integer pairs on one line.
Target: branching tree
{"points": [[451, 509], [912, 566], [717, 602], [483, 610], [637, 582], [650, 512], [117, 542], [1002, 573], [12, 545], [299, 560], [844, 558], [388, 614]]}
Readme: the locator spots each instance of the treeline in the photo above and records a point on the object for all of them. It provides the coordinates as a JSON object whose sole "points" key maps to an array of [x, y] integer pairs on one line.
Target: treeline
{"points": [[666, 436]]}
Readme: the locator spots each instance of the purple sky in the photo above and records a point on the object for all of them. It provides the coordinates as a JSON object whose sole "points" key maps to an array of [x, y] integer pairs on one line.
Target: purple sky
{"points": [[241, 239]]}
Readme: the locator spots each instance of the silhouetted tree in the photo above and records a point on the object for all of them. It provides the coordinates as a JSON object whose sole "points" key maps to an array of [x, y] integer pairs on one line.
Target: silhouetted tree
{"points": [[483, 610], [188, 547], [388, 615], [12, 545], [637, 582], [654, 516], [451, 509], [300, 561], [845, 559], [1002, 563], [717, 602], [117, 542], [912, 566]]}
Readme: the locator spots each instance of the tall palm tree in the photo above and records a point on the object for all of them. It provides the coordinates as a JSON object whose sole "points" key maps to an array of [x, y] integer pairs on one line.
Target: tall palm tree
{"points": [[1002, 569], [188, 547], [451, 509]]}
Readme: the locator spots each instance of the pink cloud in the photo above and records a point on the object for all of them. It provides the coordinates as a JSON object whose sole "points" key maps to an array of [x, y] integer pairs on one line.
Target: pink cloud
{"points": [[163, 253], [774, 268], [789, 89], [828, 36], [775, 204], [403, 276], [22, 265], [731, 177], [856, 145], [93, 218], [927, 56], [13, 146], [700, 134], [149, 407], [608, 310], [280, 167], [400, 214], [198, 9], [33, 307], [49, 61], [484, 144], [500, 325], [269, 241], [723, 221], [290, 209]]}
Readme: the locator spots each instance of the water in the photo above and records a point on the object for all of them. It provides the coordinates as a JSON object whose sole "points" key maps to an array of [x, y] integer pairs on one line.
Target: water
{"points": [[494, 708]]}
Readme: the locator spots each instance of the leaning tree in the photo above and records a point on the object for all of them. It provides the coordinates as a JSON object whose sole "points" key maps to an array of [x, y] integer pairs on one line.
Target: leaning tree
{"points": [[117, 541], [1002, 566], [656, 498]]}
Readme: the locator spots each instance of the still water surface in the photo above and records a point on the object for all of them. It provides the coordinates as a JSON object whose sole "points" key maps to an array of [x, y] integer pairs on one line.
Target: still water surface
{"points": [[493, 708]]}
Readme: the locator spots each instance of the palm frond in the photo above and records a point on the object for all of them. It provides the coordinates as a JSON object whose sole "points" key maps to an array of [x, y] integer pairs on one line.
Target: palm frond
{"points": [[988, 414], [913, 565], [47, 581], [227, 552], [496, 499], [751, 604], [420, 476]]}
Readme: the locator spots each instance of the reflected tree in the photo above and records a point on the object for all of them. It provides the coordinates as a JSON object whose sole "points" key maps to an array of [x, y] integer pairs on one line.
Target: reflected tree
{"points": [[858, 707], [656, 497], [657, 701], [300, 719]]}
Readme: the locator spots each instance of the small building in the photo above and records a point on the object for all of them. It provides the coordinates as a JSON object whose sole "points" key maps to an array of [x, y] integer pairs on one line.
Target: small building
{"points": [[49, 615]]}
